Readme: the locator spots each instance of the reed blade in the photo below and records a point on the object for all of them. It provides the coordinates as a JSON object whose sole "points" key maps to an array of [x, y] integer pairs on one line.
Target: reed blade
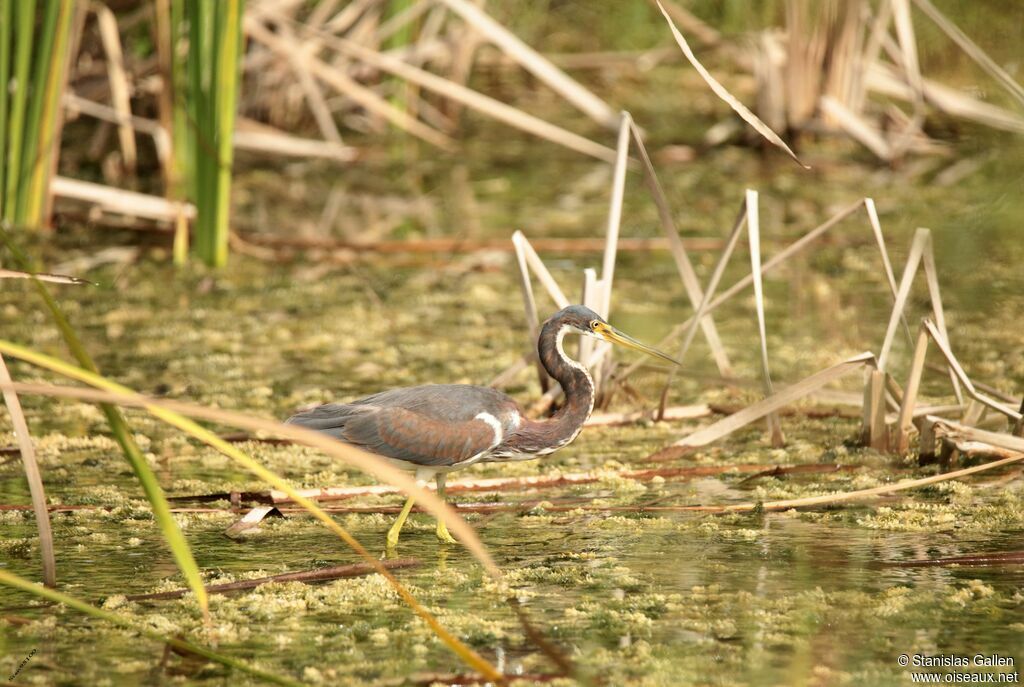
{"points": [[739, 108], [754, 233], [682, 259]]}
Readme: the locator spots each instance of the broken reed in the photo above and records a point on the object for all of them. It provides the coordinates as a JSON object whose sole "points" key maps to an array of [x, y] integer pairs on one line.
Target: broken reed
{"points": [[203, 147], [34, 42]]}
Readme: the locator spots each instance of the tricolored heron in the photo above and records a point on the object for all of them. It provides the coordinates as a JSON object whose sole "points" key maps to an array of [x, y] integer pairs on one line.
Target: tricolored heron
{"points": [[437, 428]]}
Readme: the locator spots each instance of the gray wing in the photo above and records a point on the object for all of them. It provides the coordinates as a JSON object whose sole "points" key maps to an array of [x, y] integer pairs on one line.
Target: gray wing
{"points": [[434, 425]]}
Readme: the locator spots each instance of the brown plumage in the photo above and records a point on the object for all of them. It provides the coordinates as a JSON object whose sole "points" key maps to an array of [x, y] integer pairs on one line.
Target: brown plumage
{"points": [[437, 428]]}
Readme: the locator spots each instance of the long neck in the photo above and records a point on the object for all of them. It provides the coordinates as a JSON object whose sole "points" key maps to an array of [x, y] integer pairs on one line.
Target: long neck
{"points": [[554, 433]]}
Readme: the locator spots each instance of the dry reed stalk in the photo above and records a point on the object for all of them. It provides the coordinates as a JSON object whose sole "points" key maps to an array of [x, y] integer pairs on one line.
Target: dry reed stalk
{"points": [[679, 254], [602, 288], [468, 97], [911, 71], [816, 413], [268, 140], [972, 49], [845, 79], [347, 86], [348, 16], [249, 135], [791, 250], [804, 68], [975, 409], [314, 96], [857, 127], [920, 411], [719, 90], [251, 521], [702, 308], [33, 477], [931, 275], [464, 58], [530, 308], [771, 404], [829, 499], [961, 432], [890, 276], [904, 423], [769, 63], [119, 89], [42, 276], [921, 252], [672, 413], [705, 33], [76, 105], [535, 63], [873, 432], [920, 244], [886, 81], [538, 268], [617, 196], [879, 31], [643, 60], [400, 21], [942, 343], [336, 572], [754, 234], [164, 35], [120, 201]]}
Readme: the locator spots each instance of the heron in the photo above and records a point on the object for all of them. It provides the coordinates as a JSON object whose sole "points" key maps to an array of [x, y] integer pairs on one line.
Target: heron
{"points": [[437, 428]]}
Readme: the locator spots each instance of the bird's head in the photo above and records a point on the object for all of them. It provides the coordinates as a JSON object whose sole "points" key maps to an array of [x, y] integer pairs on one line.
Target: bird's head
{"points": [[588, 323]]}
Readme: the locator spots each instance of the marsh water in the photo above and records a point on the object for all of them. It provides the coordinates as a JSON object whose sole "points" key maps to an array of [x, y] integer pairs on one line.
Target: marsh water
{"points": [[814, 597]]}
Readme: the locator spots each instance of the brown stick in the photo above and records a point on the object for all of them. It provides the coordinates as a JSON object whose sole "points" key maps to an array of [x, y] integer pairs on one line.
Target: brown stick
{"points": [[308, 576], [457, 245]]}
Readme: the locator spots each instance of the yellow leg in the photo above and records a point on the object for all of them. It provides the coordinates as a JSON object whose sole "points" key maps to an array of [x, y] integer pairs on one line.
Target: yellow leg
{"points": [[442, 529], [396, 529]]}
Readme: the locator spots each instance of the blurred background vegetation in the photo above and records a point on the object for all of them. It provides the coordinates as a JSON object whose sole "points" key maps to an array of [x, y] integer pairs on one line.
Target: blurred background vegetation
{"points": [[139, 100]]}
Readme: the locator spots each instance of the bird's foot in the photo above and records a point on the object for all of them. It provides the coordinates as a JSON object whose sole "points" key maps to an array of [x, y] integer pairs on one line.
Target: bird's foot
{"points": [[443, 534]]}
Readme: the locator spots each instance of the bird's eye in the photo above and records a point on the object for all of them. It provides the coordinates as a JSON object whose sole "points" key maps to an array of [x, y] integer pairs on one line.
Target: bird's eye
{"points": [[593, 324]]}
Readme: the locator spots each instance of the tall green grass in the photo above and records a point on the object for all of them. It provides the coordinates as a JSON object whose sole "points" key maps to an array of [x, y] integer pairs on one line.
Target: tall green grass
{"points": [[34, 42], [205, 115]]}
